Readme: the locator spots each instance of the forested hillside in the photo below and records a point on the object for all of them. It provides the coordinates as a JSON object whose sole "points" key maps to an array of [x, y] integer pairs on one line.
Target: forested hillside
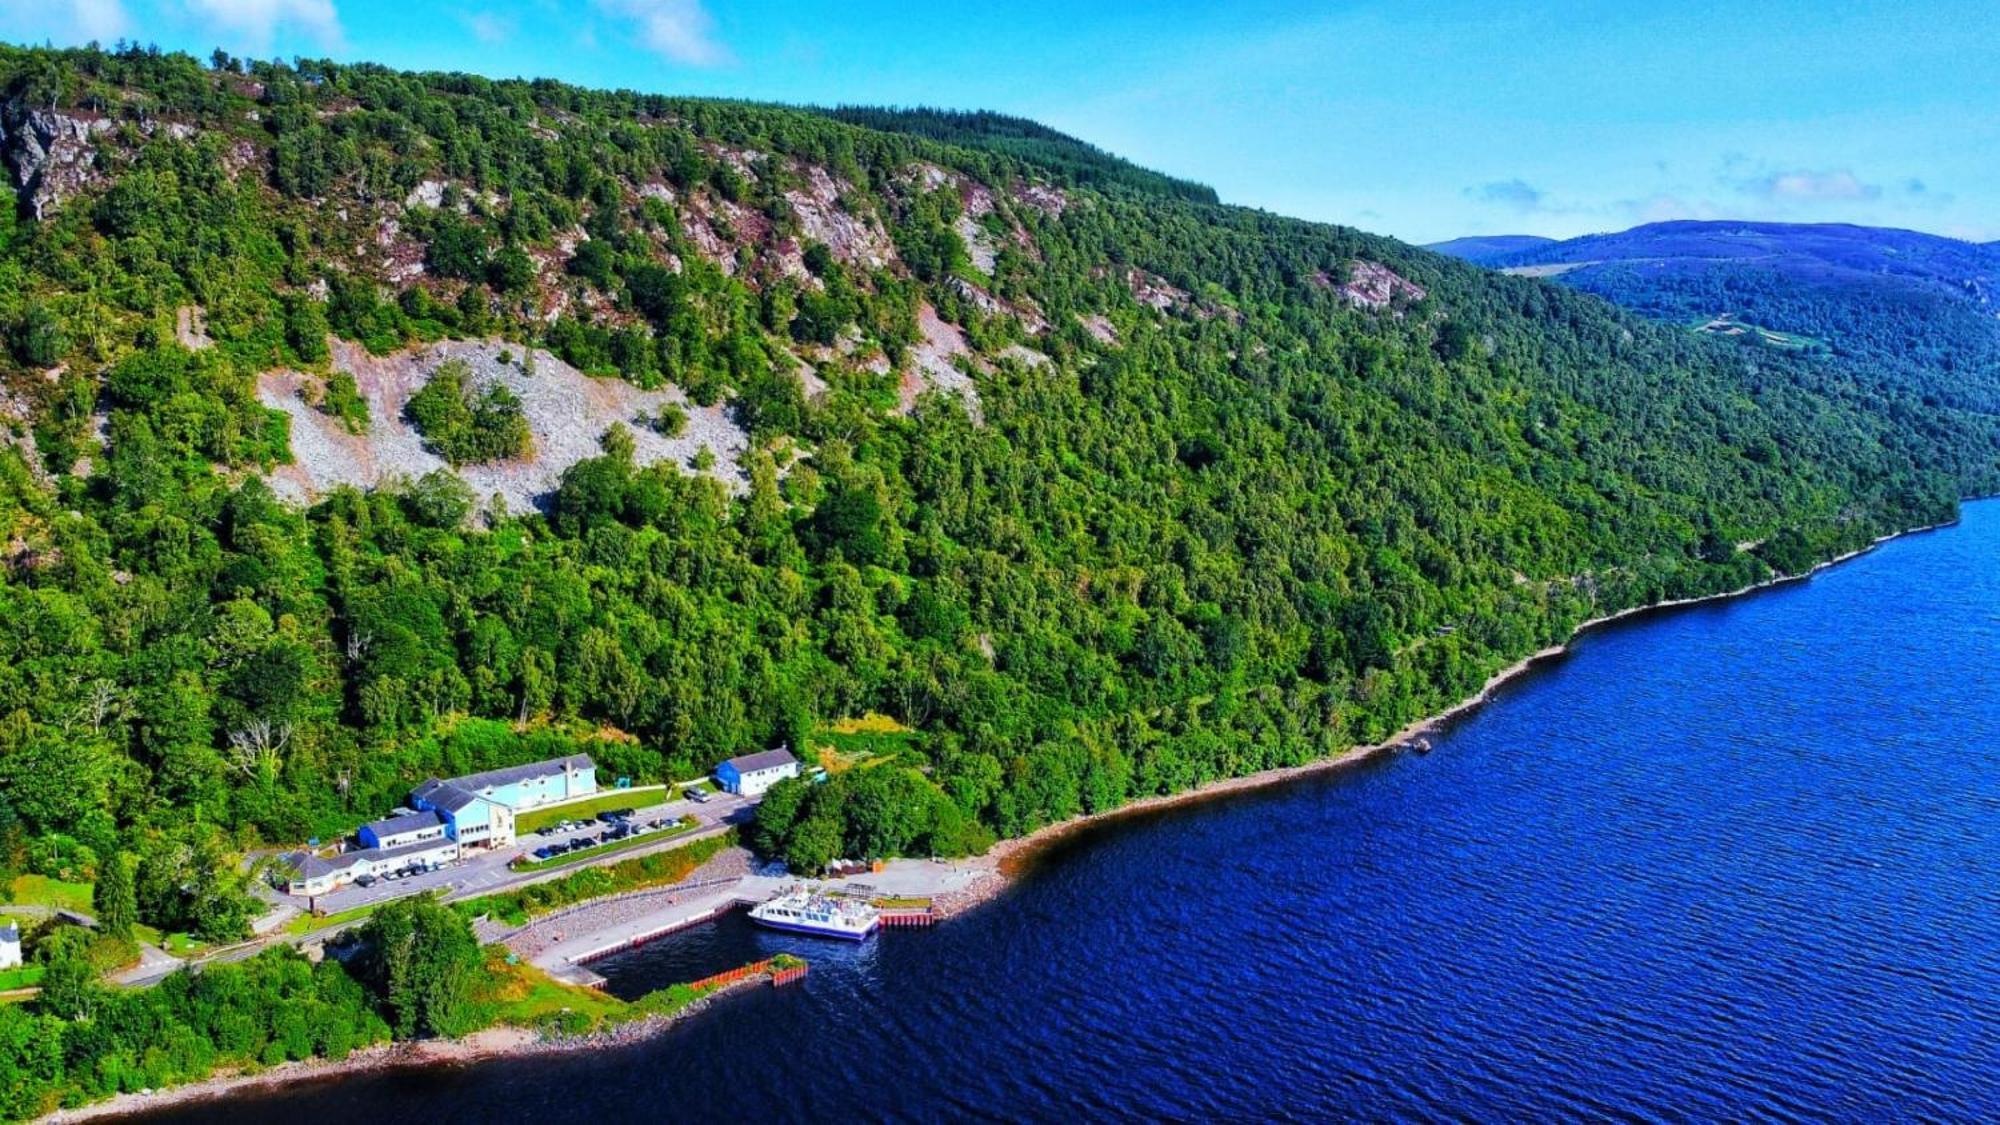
{"points": [[1894, 309], [1104, 490], [1055, 154], [1489, 248]]}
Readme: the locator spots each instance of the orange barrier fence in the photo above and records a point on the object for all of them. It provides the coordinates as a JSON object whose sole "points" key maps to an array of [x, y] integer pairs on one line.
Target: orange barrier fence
{"points": [[733, 976]]}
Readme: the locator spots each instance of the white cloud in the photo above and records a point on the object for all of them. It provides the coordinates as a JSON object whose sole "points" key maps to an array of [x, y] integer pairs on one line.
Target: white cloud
{"points": [[488, 27], [677, 30], [64, 21], [100, 19], [1805, 186], [1517, 194], [1664, 207], [255, 23]]}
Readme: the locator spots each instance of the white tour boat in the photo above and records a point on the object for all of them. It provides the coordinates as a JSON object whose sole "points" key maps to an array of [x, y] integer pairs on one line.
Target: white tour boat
{"points": [[802, 911]]}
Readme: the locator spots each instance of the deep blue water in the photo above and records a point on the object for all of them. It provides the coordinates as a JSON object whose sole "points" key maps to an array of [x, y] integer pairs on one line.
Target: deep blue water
{"points": [[1736, 860]]}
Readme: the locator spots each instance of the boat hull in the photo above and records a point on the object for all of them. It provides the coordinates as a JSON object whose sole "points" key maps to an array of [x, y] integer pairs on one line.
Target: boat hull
{"points": [[814, 931]]}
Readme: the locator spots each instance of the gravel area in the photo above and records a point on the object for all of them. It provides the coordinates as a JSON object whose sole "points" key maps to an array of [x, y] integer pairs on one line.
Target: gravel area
{"points": [[535, 939], [567, 411]]}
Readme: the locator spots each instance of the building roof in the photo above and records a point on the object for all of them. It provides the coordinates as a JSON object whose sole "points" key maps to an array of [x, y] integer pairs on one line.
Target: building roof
{"points": [[10, 934], [444, 795], [762, 760], [491, 779], [411, 822], [312, 866]]}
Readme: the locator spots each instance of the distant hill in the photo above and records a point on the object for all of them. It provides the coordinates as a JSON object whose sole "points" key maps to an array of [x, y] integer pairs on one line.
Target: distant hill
{"points": [[1487, 249], [1904, 308]]}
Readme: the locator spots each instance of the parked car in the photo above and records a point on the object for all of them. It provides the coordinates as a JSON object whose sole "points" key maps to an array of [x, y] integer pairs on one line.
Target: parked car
{"points": [[365, 881]]}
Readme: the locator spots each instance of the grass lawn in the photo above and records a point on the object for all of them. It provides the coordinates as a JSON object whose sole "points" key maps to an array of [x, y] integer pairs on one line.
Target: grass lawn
{"points": [[525, 996], [903, 903], [583, 810], [686, 825], [26, 976], [180, 945], [307, 923], [40, 890]]}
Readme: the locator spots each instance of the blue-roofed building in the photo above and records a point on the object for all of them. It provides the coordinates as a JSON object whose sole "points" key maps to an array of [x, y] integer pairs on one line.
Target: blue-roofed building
{"points": [[10, 946], [751, 774], [478, 809]]}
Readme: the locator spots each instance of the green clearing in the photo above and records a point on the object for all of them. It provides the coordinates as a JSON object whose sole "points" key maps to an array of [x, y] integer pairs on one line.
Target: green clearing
{"points": [[57, 894], [179, 945], [24, 976], [541, 818], [845, 746]]}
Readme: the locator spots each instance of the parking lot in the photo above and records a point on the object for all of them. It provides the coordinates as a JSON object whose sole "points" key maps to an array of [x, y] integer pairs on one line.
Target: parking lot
{"points": [[482, 872]]}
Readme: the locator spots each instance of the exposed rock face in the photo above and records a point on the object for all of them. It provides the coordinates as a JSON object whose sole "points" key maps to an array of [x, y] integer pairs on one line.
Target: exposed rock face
{"points": [[1371, 285], [566, 410], [855, 239], [938, 362], [51, 154]]}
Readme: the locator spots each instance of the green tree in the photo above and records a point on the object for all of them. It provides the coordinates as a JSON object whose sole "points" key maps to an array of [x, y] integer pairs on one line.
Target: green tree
{"points": [[423, 966], [116, 898], [69, 981], [439, 498]]}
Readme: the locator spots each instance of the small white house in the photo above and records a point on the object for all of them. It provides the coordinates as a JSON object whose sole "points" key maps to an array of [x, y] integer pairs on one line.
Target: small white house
{"points": [[10, 946], [751, 774]]}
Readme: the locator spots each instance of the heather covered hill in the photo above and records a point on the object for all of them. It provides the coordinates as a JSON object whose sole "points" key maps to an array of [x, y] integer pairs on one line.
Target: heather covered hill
{"points": [[1102, 488], [1896, 309]]}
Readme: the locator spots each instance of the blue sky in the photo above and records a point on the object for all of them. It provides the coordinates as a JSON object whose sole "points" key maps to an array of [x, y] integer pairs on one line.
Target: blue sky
{"points": [[1421, 120]]}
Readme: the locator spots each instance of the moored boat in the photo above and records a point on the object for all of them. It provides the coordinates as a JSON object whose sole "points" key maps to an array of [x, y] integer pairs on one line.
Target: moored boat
{"points": [[803, 911]]}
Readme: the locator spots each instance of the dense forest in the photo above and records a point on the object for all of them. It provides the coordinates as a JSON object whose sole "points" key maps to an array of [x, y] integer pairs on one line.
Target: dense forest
{"points": [[1213, 491]]}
